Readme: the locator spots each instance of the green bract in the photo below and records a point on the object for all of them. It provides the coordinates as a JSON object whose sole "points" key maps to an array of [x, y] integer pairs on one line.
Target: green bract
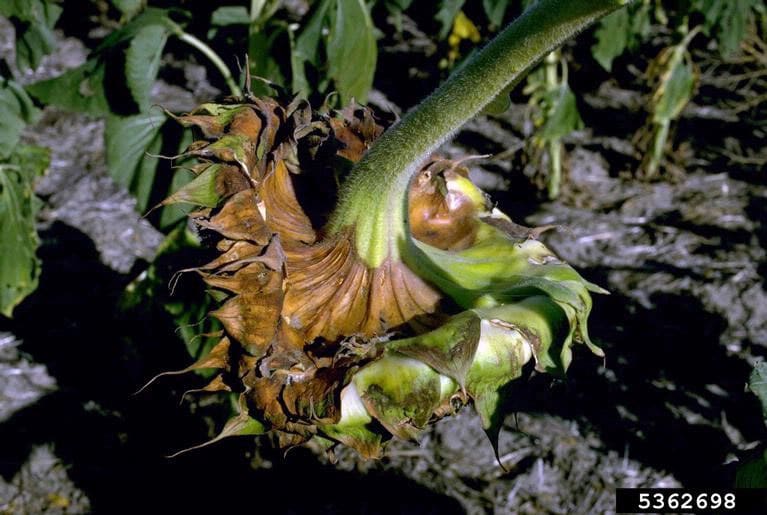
{"points": [[472, 357]]}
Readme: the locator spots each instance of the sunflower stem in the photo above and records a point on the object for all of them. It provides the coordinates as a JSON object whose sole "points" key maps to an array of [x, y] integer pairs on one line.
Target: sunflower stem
{"points": [[554, 146], [374, 199]]}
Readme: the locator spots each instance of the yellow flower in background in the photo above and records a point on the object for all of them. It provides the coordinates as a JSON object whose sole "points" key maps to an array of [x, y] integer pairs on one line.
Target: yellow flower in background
{"points": [[463, 29]]}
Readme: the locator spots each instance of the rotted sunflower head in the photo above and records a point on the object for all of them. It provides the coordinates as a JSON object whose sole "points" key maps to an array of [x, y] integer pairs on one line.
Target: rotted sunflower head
{"points": [[322, 346]]}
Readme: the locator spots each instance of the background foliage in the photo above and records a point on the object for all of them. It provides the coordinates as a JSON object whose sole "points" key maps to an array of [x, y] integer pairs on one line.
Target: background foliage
{"points": [[327, 51]]}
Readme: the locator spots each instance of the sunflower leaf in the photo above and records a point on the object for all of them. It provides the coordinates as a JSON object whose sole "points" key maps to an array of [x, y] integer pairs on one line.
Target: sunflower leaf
{"points": [[19, 265], [18, 111], [142, 61], [352, 51], [128, 139]]}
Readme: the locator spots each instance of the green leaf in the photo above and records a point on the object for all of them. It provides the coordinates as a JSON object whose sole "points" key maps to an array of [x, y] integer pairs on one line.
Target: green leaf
{"points": [[620, 31], [128, 139], [352, 51], [500, 104], [145, 173], [21, 9], [150, 16], [261, 54], [732, 26], [142, 61], [230, 15], [495, 10], [446, 14], [397, 5], [19, 265], [563, 117], [128, 7], [640, 25], [675, 92], [26, 10], [612, 38], [16, 111], [395, 8], [728, 20], [757, 383], [80, 89], [34, 37], [305, 47], [711, 9], [300, 84]]}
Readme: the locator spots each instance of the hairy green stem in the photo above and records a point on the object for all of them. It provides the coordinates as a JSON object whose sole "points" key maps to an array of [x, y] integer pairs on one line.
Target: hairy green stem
{"points": [[374, 198]]}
